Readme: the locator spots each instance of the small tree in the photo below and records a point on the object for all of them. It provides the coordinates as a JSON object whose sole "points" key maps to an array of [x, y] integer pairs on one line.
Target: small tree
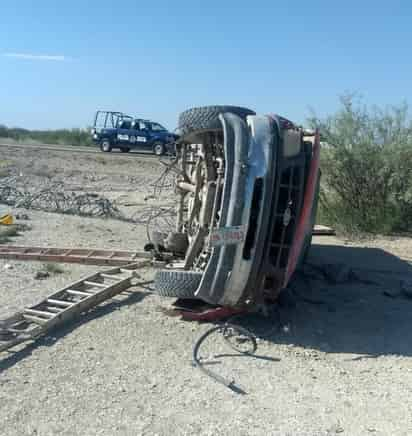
{"points": [[367, 167]]}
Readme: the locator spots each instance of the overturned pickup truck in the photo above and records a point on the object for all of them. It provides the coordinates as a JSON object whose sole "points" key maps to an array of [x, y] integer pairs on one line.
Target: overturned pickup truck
{"points": [[247, 196]]}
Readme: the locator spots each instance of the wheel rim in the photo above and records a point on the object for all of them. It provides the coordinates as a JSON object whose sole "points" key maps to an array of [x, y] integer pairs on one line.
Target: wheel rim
{"points": [[105, 146], [159, 149]]}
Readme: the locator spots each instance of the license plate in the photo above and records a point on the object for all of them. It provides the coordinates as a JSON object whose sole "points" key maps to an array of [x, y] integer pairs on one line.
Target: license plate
{"points": [[227, 236]]}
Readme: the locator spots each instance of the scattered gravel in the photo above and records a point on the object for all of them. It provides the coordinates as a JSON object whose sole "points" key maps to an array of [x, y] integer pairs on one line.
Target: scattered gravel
{"points": [[343, 366]]}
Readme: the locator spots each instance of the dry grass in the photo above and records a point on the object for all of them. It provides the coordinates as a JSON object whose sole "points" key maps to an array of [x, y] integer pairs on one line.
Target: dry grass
{"points": [[100, 160], [53, 268], [4, 168], [43, 171], [8, 232]]}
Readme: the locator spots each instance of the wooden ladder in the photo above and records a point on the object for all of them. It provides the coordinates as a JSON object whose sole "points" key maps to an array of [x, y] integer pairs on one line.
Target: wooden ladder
{"points": [[72, 255], [66, 304]]}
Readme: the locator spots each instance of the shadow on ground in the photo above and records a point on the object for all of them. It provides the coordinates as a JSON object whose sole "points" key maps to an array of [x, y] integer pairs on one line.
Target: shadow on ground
{"points": [[355, 317], [24, 350]]}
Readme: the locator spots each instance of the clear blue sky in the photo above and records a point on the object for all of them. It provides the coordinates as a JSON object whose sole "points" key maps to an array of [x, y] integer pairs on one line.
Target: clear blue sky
{"points": [[61, 60]]}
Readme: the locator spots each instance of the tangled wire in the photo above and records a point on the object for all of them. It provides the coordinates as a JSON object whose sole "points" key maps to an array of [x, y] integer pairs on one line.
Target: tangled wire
{"points": [[168, 177], [161, 217], [54, 198]]}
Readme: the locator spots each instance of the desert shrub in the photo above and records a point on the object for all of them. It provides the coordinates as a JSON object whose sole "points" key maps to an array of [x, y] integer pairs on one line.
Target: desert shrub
{"points": [[61, 136], [366, 163]]}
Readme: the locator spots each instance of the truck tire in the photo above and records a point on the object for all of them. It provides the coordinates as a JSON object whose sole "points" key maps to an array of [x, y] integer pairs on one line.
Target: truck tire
{"points": [[207, 117], [177, 284], [125, 149], [159, 149], [106, 146]]}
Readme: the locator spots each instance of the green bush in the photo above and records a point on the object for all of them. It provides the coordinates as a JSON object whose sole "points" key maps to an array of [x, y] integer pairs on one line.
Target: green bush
{"points": [[366, 162], [61, 136]]}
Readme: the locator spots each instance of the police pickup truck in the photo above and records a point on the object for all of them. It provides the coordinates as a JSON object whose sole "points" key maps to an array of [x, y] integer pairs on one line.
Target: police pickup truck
{"points": [[117, 130]]}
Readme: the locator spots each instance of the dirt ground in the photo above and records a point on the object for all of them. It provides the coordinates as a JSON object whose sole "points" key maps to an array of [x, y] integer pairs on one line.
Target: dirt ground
{"points": [[334, 358]]}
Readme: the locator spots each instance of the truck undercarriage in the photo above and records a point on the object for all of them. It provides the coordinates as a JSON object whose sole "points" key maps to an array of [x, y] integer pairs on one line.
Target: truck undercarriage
{"points": [[241, 191]]}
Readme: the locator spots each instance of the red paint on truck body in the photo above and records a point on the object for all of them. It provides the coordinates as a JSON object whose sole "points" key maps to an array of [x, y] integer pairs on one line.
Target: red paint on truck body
{"points": [[304, 219]]}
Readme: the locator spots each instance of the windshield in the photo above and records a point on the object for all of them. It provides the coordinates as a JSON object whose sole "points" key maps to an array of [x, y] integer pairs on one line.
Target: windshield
{"points": [[157, 127]]}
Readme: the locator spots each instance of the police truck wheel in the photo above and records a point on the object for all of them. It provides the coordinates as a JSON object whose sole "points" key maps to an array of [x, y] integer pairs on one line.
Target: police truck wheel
{"points": [[106, 146], [159, 149]]}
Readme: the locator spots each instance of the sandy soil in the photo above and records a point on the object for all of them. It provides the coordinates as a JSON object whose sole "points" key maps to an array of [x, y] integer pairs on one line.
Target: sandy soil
{"points": [[334, 359]]}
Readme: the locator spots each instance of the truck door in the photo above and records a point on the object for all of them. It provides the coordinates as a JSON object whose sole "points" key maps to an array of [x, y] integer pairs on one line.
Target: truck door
{"points": [[123, 132], [143, 134]]}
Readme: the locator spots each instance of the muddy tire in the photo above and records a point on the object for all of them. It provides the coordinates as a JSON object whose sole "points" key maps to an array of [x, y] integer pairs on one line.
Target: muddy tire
{"points": [[207, 117], [177, 284]]}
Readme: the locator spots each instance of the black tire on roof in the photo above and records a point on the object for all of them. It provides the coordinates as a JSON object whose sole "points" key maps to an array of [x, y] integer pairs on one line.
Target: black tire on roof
{"points": [[207, 117], [177, 284]]}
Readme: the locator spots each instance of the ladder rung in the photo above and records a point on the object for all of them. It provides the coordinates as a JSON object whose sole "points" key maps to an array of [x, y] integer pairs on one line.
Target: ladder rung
{"points": [[82, 294], [109, 276], [38, 312], [54, 309], [128, 271], [59, 302], [35, 319], [13, 330], [95, 284]]}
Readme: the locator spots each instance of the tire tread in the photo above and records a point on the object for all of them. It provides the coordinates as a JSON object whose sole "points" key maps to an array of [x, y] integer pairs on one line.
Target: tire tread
{"points": [[207, 117], [178, 284]]}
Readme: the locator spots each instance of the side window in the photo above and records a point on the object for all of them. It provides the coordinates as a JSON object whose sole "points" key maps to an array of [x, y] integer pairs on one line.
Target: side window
{"points": [[157, 127], [143, 126], [125, 125]]}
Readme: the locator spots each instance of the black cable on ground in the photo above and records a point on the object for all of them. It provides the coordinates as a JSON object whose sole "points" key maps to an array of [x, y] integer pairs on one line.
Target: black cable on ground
{"points": [[228, 331]]}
